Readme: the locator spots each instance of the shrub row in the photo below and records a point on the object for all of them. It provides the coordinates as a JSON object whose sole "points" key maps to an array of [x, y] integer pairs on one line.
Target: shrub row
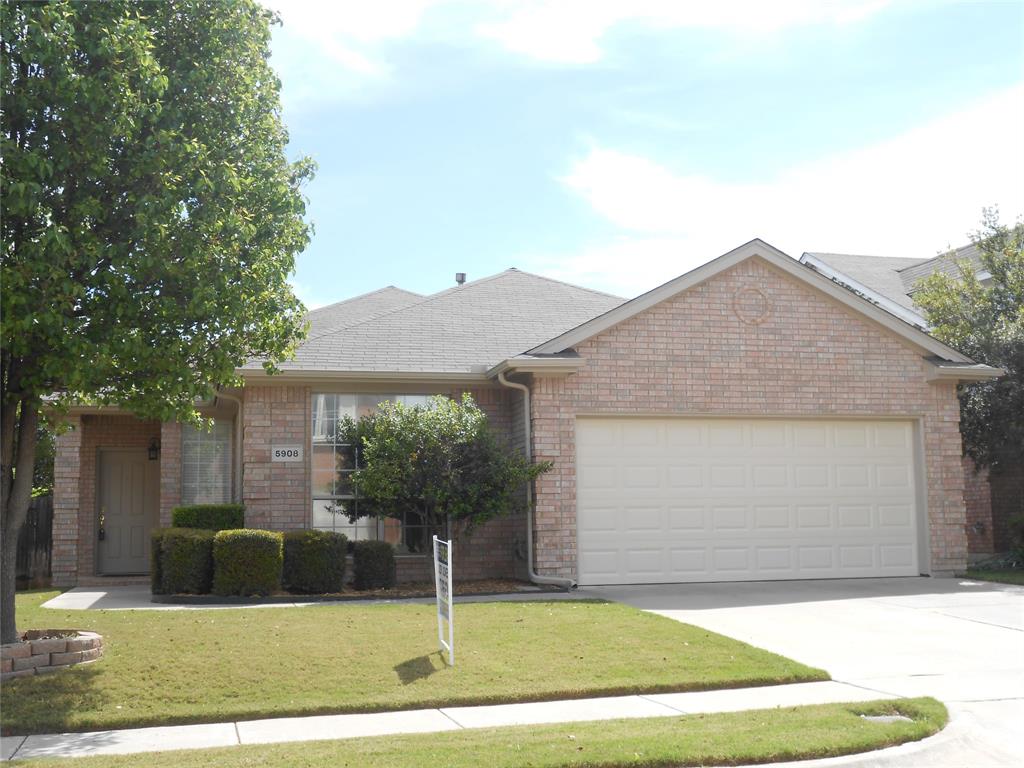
{"points": [[373, 565], [212, 517], [314, 561], [250, 561]]}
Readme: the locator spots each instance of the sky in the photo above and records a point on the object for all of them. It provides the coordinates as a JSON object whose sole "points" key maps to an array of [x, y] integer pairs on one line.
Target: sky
{"points": [[618, 144]]}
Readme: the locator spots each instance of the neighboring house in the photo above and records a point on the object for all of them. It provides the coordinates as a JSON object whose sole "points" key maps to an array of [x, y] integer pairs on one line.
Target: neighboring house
{"points": [[891, 283], [749, 420]]}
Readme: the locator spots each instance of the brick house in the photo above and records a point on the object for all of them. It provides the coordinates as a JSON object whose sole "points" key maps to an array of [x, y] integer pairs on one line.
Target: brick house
{"points": [[748, 420], [992, 497]]}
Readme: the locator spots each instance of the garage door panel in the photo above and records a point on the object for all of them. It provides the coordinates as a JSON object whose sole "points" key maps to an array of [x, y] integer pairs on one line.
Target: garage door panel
{"points": [[685, 476], [707, 500], [687, 518]]}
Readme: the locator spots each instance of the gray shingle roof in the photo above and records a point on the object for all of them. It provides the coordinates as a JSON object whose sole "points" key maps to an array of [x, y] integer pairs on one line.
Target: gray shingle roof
{"points": [[879, 273], [359, 308], [946, 263], [466, 329], [894, 277]]}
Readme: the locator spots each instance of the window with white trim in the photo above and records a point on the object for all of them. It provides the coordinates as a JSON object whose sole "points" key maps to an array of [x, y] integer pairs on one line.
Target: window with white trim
{"points": [[206, 464], [333, 462]]}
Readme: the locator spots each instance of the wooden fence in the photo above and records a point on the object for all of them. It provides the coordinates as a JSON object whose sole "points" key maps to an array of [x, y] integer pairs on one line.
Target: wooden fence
{"points": [[35, 544]]}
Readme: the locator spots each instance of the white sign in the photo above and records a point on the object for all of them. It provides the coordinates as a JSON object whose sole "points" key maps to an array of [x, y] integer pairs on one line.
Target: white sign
{"points": [[286, 453], [445, 608]]}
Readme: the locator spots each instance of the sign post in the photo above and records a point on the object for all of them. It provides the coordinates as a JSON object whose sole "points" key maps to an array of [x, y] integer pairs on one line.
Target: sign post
{"points": [[443, 585]]}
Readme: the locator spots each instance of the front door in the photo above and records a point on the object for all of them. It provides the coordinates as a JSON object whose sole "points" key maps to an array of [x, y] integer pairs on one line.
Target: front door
{"points": [[128, 509]]}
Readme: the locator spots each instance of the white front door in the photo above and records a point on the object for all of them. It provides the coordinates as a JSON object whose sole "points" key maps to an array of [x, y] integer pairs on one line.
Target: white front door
{"points": [[683, 500], [128, 508]]}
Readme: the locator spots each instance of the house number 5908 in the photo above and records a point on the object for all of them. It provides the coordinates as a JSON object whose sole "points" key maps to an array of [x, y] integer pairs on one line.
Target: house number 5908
{"points": [[286, 453]]}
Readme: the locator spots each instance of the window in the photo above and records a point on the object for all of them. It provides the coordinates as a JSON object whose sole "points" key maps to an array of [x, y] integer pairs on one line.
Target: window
{"points": [[206, 464], [334, 461]]}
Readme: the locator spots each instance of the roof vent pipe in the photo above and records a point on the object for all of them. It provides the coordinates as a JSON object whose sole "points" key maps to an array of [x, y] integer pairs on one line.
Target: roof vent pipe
{"points": [[460, 278]]}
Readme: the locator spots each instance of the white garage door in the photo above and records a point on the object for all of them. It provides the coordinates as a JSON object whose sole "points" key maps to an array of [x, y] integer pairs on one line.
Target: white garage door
{"points": [[675, 500]]}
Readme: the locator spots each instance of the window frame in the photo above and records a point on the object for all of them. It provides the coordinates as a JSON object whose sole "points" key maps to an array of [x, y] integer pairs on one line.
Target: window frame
{"points": [[221, 434], [383, 529]]}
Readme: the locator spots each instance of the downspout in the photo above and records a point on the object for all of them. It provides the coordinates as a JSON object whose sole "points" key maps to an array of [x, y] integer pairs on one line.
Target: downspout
{"points": [[237, 490], [535, 577]]}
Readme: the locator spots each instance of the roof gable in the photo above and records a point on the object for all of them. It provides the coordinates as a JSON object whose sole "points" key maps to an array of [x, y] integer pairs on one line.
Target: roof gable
{"points": [[754, 249]]}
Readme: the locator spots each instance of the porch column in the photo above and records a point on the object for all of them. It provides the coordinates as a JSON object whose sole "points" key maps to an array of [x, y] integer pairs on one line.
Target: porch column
{"points": [[67, 476]]}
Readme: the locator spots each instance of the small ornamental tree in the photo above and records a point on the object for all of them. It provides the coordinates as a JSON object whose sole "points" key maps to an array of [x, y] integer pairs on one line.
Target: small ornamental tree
{"points": [[440, 462], [986, 322], [151, 217]]}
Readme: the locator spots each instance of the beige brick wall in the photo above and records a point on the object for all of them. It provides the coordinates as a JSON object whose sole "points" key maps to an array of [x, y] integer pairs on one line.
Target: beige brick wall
{"points": [[74, 493], [276, 494], [170, 470], [807, 355], [67, 470], [978, 504]]}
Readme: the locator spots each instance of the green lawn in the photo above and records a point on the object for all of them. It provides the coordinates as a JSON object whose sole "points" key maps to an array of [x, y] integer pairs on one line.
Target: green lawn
{"points": [[736, 738], [1002, 576], [165, 667]]}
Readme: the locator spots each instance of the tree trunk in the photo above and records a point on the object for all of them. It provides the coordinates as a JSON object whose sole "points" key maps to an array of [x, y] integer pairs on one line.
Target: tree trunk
{"points": [[15, 510]]}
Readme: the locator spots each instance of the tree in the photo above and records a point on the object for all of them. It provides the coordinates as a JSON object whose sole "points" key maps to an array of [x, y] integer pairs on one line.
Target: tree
{"points": [[151, 216], [440, 462], [986, 322]]}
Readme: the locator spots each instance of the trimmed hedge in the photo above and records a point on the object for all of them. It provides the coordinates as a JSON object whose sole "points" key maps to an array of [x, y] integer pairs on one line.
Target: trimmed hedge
{"points": [[187, 561], [156, 561], [373, 565], [314, 561], [212, 517], [247, 561]]}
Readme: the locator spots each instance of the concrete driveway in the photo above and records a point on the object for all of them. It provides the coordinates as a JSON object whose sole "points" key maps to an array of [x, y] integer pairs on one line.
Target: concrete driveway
{"points": [[957, 640]]}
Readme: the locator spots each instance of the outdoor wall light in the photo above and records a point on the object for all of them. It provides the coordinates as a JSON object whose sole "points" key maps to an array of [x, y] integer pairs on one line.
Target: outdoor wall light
{"points": [[154, 449]]}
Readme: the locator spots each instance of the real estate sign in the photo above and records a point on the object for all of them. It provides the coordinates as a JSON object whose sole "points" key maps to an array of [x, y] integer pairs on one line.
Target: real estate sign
{"points": [[445, 608]]}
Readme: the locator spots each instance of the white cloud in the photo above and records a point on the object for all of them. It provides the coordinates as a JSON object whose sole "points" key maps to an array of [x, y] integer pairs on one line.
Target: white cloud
{"points": [[326, 49], [909, 196], [571, 31], [331, 49]]}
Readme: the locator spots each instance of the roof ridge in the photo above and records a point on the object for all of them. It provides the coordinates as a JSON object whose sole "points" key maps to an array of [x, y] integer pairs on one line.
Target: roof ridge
{"points": [[918, 259], [362, 296], [372, 316], [395, 310], [953, 253], [454, 289], [564, 282]]}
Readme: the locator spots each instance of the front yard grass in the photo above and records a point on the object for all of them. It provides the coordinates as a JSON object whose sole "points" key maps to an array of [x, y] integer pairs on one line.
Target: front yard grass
{"points": [[168, 667], [736, 738], [1006, 576]]}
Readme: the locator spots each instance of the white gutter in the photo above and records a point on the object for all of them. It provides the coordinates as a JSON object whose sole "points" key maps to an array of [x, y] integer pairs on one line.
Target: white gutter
{"points": [[535, 577], [237, 490]]}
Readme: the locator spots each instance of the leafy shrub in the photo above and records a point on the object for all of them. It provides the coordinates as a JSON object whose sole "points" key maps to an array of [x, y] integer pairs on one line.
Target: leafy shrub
{"points": [[314, 561], [247, 561], [156, 571], [212, 517], [186, 561], [373, 565]]}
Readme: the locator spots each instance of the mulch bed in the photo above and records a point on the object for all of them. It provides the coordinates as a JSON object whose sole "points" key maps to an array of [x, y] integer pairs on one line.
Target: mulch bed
{"points": [[398, 592]]}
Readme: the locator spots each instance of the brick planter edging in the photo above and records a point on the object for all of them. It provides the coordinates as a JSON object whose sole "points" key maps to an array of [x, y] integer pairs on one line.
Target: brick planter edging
{"points": [[35, 655]]}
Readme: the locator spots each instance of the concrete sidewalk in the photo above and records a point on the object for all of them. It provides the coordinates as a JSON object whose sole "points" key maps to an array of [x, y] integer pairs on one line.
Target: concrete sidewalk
{"points": [[291, 729], [138, 598]]}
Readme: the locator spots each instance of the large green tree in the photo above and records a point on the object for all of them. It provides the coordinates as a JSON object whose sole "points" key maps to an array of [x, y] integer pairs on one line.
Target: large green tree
{"points": [[151, 216], [984, 319]]}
